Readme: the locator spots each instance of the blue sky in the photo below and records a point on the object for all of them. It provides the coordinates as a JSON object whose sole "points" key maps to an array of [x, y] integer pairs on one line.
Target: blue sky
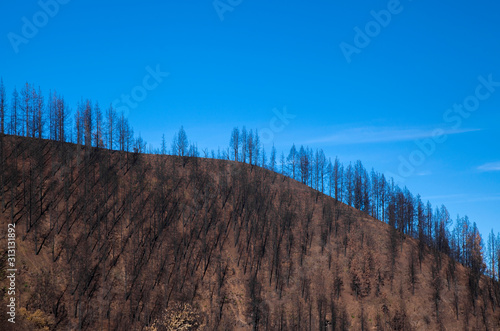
{"points": [[380, 104]]}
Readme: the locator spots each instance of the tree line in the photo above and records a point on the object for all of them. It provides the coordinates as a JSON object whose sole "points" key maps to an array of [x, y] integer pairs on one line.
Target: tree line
{"points": [[135, 241], [378, 196], [28, 113]]}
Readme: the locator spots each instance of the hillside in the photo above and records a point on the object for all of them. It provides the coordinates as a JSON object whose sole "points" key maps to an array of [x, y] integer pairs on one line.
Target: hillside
{"points": [[109, 240]]}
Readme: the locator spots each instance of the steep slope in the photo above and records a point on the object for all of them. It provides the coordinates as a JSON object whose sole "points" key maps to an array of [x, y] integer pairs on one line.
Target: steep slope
{"points": [[112, 241]]}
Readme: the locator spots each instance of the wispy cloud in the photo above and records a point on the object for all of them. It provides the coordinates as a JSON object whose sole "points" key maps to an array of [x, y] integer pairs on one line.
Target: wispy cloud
{"points": [[492, 166], [423, 173], [460, 198], [444, 197], [476, 199], [371, 134]]}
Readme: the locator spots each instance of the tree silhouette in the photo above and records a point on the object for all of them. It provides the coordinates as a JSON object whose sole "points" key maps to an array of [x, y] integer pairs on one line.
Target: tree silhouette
{"points": [[180, 143], [234, 143], [14, 114], [3, 107]]}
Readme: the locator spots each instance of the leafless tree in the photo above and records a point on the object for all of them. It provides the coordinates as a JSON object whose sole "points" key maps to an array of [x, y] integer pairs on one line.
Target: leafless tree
{"points": [[234, 143], [15, 121], [111, 119], [99, 127], [38, 113], [88, 123], [3, 106], [26, 108]]}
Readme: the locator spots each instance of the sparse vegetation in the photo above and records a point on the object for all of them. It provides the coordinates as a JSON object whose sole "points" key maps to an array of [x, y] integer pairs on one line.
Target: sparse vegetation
{"points": [[128, 240]]}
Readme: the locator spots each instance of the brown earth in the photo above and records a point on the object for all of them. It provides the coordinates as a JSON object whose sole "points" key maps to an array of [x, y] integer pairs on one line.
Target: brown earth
{"points": [[111, 240]]}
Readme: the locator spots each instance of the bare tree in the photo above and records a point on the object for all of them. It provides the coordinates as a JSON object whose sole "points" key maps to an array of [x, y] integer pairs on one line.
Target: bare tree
{"points": [[436, 284], [476, 265], [111, 119], [329, 176], [243, 143], [26, 110], [180, 143], [272, 160], [492, 254], [139, 145], [292, 161], [256, 147], [263, 159], [88, 123], [250, 147], [61, 117], [304, 162], [122, 132], [2, 107], [38, 113], [98, 133], [322, 168], [234, 143], [163, 150], [336, 177], [51, 109], [14, 114], [79, 125], [283, 162], [412, 271]]}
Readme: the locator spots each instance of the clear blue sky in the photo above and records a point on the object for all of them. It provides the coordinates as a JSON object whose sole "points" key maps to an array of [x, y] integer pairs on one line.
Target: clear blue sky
{"points": [[396, 87]]}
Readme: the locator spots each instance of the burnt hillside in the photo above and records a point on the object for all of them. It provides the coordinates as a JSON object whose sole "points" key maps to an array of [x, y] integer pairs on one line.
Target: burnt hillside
{"points": [[110, 240]]}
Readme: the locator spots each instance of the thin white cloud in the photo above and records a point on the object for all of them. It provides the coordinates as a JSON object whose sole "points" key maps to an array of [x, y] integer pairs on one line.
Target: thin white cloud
{"points": [[443, 197], [460, 198], [492, 166], [371, 134], [423, 173], [476, 199]]}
